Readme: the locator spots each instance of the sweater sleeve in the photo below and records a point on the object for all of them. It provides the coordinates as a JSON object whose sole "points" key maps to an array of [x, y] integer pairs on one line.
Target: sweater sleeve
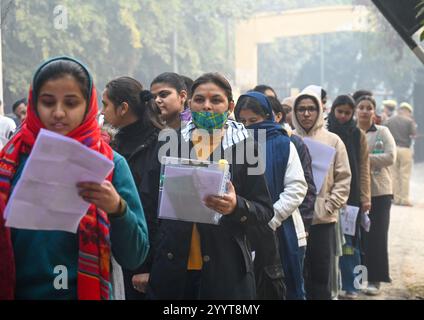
{"points": [[342, 177], [129, 237], [364, 167], [388, 158], [295, 188]]}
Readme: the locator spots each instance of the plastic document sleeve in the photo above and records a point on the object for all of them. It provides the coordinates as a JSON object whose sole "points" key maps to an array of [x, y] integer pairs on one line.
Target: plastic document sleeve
{"points": [[184, 185]]}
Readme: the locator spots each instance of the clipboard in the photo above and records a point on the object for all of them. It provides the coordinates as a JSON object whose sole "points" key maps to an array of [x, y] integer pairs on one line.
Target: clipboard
{"points": [[184, 183]]}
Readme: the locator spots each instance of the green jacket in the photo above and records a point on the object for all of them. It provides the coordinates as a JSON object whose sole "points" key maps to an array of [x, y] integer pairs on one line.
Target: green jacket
{"points": [[38, 253]]}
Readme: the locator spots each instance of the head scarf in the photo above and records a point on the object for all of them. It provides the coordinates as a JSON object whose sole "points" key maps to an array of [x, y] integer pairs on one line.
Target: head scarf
{"points": [[350, 135], [277, 146], [345, 130], [319, 123], [264, 102], [93, 281]]}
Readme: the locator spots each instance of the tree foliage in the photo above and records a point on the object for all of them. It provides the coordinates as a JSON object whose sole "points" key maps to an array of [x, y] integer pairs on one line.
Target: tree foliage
{"points": [[137, 37], [119, 37], [378, 61]]}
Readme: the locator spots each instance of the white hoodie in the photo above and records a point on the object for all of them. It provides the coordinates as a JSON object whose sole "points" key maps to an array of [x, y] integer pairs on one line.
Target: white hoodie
{"points": [[295, 188], [336, 187]]}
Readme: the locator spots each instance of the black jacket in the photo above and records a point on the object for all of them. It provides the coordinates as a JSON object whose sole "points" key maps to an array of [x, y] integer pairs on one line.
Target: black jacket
{"points": [[307, 207], [138, 143], [227, 269]]}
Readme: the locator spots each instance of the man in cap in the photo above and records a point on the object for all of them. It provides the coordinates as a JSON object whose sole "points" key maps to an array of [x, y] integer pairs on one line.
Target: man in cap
{"points": [[403, 129], [389, 110]]}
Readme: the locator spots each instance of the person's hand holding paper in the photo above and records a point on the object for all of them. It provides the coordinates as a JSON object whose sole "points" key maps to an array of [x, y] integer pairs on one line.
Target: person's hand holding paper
{"points": [[46, 196], [194, 191], [103, 195], [225, 204]]}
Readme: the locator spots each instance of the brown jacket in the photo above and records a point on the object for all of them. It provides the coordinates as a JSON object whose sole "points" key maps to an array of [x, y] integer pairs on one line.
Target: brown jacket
{"points": [[336, 187], [381, 178]]}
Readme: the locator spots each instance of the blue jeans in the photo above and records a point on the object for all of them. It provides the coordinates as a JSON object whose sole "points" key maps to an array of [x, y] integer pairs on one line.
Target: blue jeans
{"points": [[348, 263]]}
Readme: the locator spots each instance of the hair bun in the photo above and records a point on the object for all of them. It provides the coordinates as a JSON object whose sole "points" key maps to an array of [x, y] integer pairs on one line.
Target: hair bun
{"points": [[146, 95]]}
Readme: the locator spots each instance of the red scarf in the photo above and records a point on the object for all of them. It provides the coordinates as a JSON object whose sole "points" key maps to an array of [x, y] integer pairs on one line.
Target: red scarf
{"points": [[94, 241]]}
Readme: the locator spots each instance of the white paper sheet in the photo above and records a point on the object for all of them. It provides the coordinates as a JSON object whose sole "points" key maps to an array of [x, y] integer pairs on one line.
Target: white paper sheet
{"points": [[46, 196], [183, 192], [348, 218], [366, 222], [322, 157]]}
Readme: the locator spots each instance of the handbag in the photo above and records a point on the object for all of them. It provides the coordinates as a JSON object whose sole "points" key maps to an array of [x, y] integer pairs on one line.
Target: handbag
{"points": [[270, 283], [269, 274]]}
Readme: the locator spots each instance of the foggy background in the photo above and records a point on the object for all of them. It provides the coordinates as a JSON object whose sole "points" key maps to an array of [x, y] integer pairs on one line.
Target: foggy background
{"points": [[143, 38]]}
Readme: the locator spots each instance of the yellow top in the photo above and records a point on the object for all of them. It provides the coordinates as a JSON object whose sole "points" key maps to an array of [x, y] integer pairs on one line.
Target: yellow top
{"points": [[204, 147]]}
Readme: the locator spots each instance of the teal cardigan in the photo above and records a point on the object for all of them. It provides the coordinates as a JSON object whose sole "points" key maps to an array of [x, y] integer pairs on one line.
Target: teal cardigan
{"points": [[38, 253]]}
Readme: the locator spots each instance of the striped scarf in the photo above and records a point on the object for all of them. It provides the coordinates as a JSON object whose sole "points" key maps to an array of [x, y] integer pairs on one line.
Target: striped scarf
{"points": [[93, 281], [235, 132]]}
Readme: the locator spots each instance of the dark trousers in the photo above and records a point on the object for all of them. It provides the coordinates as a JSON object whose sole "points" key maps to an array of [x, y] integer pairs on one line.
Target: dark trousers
{"points": [[375, 242], [130, 292], [192, 285], [319, 261]]}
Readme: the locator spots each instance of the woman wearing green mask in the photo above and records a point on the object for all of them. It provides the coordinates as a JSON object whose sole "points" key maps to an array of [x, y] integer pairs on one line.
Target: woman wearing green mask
{"points": [[202, 261]]}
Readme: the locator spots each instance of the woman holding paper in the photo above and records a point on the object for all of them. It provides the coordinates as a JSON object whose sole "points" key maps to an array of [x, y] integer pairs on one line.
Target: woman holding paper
{"points": [[342, 123], [206, 261], [320, 260], [133, 111], [287, 185], [382, 154], [63, 99]]}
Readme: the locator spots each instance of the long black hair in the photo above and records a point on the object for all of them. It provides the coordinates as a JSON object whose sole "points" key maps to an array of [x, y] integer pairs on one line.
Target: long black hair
{"points": [[277, 107], [140, 102]]}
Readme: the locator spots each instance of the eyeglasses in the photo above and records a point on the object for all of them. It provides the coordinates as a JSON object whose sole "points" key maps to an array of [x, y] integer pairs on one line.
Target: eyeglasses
{"points": [[310, 109]]}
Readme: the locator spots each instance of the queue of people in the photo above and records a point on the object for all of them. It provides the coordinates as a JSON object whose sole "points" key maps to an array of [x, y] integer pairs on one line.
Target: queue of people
{"points": [[281, 236]]}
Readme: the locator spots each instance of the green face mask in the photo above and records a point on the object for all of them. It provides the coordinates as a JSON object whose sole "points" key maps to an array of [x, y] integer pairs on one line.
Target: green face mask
{"points": [[209, 121]]}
